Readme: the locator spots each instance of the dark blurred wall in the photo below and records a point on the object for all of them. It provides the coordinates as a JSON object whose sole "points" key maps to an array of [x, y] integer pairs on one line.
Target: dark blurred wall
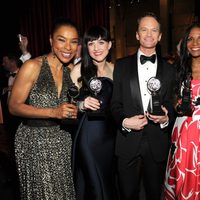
{"points": [[33, 18], [175, 16], [9, 22], [16, 16]]}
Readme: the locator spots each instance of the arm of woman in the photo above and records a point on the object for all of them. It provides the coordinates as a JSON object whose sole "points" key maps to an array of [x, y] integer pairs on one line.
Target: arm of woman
{"points": [[24, 82]]}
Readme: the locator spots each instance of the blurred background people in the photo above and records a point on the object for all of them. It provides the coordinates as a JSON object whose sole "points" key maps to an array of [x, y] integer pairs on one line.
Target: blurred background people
{"points": [[23, 45], [11, 62]]}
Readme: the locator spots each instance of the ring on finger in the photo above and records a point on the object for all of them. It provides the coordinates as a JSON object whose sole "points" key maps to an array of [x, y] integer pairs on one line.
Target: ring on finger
{"points": [[69, 115]]}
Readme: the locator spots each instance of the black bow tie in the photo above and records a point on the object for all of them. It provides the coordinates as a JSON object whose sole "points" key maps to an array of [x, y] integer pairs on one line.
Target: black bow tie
{"points": [[144, 59], [12, 74]]}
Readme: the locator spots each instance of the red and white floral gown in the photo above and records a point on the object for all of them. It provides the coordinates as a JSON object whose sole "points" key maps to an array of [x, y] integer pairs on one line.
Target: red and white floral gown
{"points": [[182, 181]]}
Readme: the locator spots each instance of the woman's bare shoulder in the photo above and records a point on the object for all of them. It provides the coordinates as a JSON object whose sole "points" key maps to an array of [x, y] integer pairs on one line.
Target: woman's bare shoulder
{"points": [[31, 67]]}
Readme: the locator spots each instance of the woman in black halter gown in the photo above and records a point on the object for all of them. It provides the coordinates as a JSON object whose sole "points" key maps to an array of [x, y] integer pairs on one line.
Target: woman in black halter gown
{"points": [[93, 155]]}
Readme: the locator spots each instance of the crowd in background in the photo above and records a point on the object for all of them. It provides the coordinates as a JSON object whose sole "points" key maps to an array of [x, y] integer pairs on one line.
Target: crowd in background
{"points": [[81, 127]]}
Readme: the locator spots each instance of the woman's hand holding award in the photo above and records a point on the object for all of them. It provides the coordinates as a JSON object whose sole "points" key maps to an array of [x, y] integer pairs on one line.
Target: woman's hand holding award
{"points": [[185, 106], [95, 86], [73, 93]]}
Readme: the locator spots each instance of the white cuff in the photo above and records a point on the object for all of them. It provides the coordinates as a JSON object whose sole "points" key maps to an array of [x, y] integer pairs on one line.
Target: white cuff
{"points": [[164, 125], [25, 57], [123, 127]]}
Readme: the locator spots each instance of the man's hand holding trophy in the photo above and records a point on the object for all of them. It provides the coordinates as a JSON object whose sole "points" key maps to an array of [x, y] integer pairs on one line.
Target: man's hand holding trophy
{"points": [[154, 86], [156, 111]]}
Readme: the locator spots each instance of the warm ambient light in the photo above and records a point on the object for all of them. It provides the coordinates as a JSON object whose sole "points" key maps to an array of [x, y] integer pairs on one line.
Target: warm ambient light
{"points": [[117, 3]]}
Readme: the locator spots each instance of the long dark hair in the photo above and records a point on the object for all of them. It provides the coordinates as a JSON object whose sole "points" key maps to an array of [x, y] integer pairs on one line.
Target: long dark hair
{"points": [[184, 63], [88, 69]]}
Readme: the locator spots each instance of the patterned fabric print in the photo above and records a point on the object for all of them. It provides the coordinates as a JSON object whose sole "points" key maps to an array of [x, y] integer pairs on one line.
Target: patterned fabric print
{"points": [[183, 169], [44, 93], [43, 154]]}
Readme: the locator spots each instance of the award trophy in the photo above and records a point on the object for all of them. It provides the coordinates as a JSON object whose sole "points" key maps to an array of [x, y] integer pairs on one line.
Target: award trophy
{"points": [[95, 86], [72, 93], [154, 86], [185, 107]]}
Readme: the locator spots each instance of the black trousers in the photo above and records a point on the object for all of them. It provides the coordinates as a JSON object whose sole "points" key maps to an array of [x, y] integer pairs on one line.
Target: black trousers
{"points": [[142, 167]]}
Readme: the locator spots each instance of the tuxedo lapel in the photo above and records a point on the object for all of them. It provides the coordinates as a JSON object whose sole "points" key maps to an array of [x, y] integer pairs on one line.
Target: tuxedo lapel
{"points": [[134, 83], [159, 69], [161, 76]]}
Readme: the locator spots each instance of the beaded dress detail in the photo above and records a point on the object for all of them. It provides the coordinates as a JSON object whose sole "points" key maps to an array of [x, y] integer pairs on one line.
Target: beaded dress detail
{"points": [[43, 153]]}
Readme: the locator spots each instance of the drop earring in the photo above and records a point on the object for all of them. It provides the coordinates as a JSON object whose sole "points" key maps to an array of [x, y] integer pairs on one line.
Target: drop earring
{"points": [[54, 55]]}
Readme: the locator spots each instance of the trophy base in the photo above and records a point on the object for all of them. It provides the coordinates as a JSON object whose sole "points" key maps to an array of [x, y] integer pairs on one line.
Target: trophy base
{"points": [[96, 114], [155, 107], [157, 112], [69, 121]]}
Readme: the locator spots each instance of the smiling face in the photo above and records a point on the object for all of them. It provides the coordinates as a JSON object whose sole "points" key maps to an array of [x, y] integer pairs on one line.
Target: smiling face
{"points": [[148, 34], [64, 43], [193, 42], [98, 49]]}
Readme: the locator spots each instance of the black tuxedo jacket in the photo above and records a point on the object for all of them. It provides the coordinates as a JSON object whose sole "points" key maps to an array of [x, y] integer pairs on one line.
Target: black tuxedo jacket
{"points": [[127, 102]]}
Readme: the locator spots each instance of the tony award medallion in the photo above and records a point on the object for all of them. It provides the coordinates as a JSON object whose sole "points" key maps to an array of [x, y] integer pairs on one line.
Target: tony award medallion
{"points": [[154, 86], [72, 93], [185, 107], [95, 86]]}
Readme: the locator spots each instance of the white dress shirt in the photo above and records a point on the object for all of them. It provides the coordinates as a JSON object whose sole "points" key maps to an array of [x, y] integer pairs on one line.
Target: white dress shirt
{"points": [[145, 72], [25, 57]]}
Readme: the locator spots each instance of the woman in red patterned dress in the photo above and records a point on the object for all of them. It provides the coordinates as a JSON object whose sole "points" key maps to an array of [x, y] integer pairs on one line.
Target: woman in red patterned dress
{"points": [[182, 181]]}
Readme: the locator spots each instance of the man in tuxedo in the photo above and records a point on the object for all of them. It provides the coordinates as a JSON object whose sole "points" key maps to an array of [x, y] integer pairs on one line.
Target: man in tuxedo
{"points": [[11, 63], [142, 139], [9, 186]]}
